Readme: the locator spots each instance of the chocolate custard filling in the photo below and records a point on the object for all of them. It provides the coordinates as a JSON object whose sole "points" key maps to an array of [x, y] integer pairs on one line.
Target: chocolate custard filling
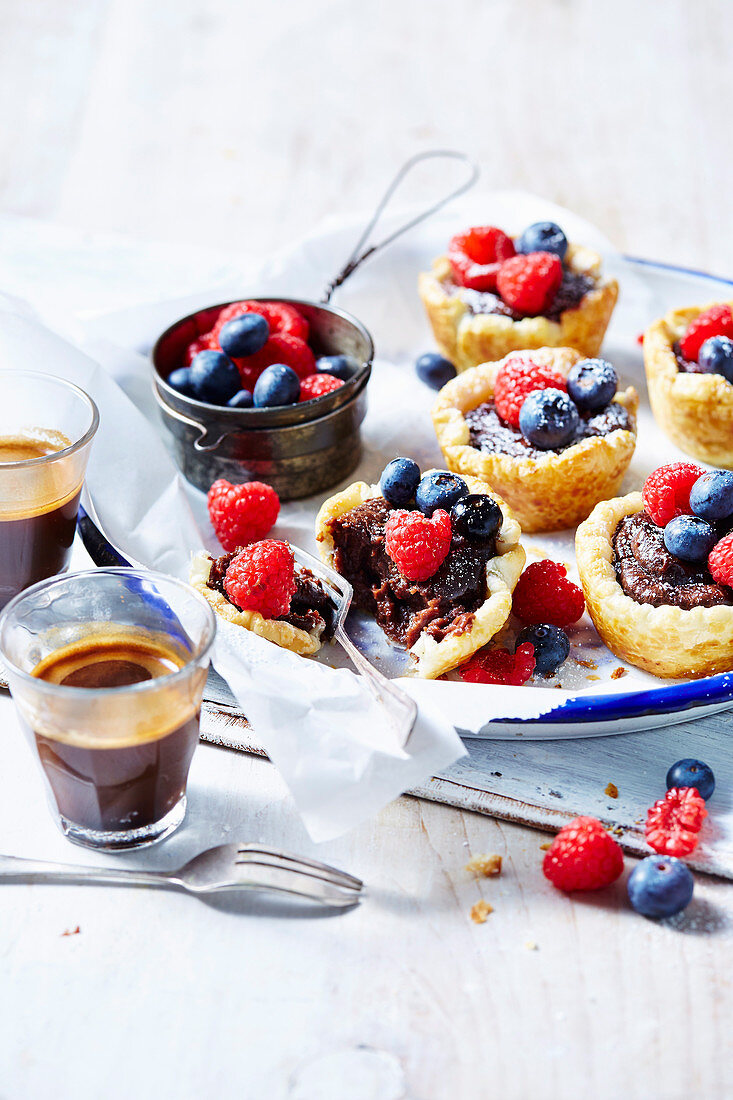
{"points": [[687, 366], [443, 604], [310, 606], [488, 432], [648, 573], [570, 294]]}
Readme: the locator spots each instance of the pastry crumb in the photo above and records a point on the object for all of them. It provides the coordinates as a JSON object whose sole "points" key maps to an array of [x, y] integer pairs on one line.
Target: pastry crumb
{"points": [[589, 663], [531, 945], [592, 676], [480, 911], [486, 865], [546, 846], [72, 931], [618, 830], [611, 790], [618, 673]]}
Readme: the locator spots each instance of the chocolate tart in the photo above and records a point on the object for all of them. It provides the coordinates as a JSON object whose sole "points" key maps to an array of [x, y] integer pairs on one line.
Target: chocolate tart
{"points": [[441, 621], [546, 490], [629, 579], [695, 410], [303, 630], [471, 327]]}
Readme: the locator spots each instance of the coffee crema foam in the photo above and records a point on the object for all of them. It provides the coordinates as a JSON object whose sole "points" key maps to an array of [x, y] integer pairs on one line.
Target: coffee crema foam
{"points": [[31, 490]]}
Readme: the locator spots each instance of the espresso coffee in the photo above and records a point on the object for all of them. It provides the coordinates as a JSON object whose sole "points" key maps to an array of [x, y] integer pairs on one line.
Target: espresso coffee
{"points": [[135, 771]]}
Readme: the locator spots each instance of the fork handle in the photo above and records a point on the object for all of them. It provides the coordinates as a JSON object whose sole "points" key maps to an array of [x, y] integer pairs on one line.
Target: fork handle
{"points": [[36, 870], [379, 685]]}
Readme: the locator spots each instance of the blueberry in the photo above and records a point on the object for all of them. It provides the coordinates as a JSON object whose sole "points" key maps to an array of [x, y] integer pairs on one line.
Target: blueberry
{"points": [[690, 538], [711, 497], [477, 516], [277, 385], [548, 419], [592, 383], [692, 773], [214, 378], [241, 400], [434, 370], [400, 478], [180, 380], [340, 366], [439, 490], [716, 356], [551, 646], [660, 886], [543, 237], [244, 335]]}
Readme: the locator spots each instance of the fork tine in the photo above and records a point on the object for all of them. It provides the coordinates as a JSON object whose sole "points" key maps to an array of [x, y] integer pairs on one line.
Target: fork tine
{"points": [[276, 858]]}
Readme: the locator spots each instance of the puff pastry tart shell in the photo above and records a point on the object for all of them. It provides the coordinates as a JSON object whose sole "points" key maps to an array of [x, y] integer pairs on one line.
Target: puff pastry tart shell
{"points": [[433, 658], [468, 339], [666, 641], [555, 490], [694, 410], [303, 642]]}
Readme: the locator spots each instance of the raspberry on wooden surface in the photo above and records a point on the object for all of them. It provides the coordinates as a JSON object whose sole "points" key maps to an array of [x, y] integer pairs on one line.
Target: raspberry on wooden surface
{"points": [[666, 491], [242, 513], [674, 822], [583, 857], [418, 544], [517, 378], [544, 594], [262, 578]]}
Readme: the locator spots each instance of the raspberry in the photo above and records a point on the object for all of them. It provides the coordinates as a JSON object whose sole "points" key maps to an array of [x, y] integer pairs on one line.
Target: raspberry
{"points": [[673, 822], [499, 666], [476, 256], [666, 492], [583, 857], [517, 378], [716, 321], [417, 544], [203, 343], [316, 385], [529, 283], [262, 578], [545, 595], [242, 513], [280, 348], [280, 317], [720, 561]]}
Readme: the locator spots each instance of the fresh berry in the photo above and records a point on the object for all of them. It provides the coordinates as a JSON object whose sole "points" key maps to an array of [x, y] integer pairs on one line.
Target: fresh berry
{"points": [[545, 595], [280, 348], [716, 321], [716, 357], [666, 492], [418, 545], [439, 490], [689, 538], [551, 646], [277, 385], [673, 822], [244, 335], [203, 343], [180, 380], [241, 513], [434, 370], [478, 516], [476, 256], [692, 773], [262, 578], [720, 561], [214, 377], [660, 886], [592, 384], [583, 857], [518, 378], [241, 400], [317, 385], [543, 237], [711, 496], [399, 481], [548, 419], [499, 666], [529, 283], [280, 317], [339, 366]]}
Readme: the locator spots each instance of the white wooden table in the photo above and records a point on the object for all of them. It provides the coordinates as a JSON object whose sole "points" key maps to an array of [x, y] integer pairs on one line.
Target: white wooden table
{"points": [[243, 124]]}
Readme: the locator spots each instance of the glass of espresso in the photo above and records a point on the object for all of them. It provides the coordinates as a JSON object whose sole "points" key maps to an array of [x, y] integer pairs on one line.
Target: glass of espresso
{"points": [[107, 670], [46, 430]]}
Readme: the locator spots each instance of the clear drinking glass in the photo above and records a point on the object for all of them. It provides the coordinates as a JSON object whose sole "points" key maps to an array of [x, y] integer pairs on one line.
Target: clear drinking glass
{"points": [[46, 430], [107, 670]]}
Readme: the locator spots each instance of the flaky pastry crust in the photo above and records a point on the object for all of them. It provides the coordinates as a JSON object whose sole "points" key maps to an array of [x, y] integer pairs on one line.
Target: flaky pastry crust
{"points": [[694, 410], [433, 658], [303, 642], [468, 339], [548, 493], [665, 641]]}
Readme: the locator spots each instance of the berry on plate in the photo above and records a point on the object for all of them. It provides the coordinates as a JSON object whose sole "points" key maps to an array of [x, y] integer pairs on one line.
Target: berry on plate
{"points": [[262, 578], [277, 385], [543, 237], [317, 385], [592, 383], [548, 419], [434, 370], [439, 490], [545, 595], [692, 773], [673, 822], [583, 857], [666, 492], [720, 561], [516, 379], [477, 516], [716, 321], [551, 646], [689, 538], [711, 496], [529, 283], [399, 481], [476, 256], [244, 335], [241, 513], [339, 366], [660, 886], [214, 377], [180, 380], [418, 545], [499, 666], [716, 357], [241, 400]]}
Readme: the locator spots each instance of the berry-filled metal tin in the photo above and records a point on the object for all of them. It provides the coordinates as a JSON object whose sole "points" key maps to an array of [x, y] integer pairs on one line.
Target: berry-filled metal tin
{"points": [[298, 449]]}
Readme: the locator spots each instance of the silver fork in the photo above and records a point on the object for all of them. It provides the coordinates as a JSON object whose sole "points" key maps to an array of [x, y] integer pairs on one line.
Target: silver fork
{"points": [[224, 869]]}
